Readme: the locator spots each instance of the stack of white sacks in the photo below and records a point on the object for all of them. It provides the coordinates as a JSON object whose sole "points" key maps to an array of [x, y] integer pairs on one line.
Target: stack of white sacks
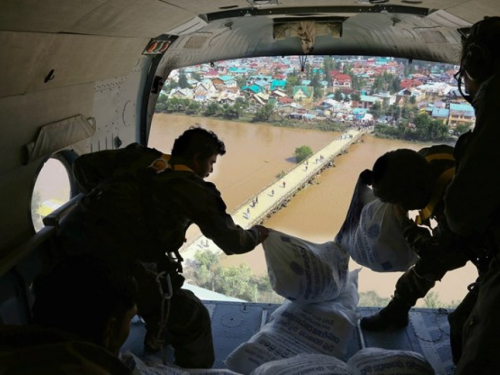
{"points": [[309, 334]]}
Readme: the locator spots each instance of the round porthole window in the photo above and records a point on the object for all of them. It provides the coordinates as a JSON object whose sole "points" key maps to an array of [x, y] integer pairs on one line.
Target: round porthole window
{"points": [[52, 190]]}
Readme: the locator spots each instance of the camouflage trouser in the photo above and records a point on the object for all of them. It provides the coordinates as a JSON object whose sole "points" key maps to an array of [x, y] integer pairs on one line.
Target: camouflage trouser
{"points": [[419, 279], [458, 318], [481, 332], [188, 328]]}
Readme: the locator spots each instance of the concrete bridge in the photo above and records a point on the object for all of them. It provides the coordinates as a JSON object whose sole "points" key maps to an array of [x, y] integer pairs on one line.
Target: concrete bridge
{"points": [[272, 197]]}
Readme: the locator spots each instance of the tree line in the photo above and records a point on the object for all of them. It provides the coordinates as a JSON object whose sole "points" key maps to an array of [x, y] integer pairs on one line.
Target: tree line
{"points": [[206, 271]]}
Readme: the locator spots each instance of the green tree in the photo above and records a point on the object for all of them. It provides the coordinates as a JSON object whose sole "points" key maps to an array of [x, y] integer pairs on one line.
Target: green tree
{"points": [[462, 128], [197, 76], [161, 103], [328, 66], [338, 95], [264, 113], [357, 83], [183, 83], [376, 109], [237, 282], [241, 81], [317, 86], [302, 153], [213, 109], [207, 272], [232, 111], [356, 97], [372, 299], [423, 126], [308, 71], [193, 107], [291, 82], [207, 269], [242, 102]]}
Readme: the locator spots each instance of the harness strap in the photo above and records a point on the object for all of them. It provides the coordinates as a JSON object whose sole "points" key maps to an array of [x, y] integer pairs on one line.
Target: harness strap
{"points": [[441, 156], [162, 163], [443, 181]]}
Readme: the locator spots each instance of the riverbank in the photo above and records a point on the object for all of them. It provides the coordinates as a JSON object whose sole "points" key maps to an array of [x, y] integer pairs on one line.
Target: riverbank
{"points": [[274, 120], [257, 154]]}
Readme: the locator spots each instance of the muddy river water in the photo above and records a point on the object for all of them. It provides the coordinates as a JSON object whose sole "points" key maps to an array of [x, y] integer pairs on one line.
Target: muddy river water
{"points": [[256, 153]]}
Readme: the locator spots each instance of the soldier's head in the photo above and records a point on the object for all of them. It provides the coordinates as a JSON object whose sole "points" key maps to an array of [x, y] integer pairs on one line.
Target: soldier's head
{"points": [[199, 149], [82, 296], [480, 55], [403, 177]]}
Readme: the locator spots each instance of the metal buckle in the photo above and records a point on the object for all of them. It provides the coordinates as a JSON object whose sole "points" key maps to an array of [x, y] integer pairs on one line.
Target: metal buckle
{"points": [[169, 294]]}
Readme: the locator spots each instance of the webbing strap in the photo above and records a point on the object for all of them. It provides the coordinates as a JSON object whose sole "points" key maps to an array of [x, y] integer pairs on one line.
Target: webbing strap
{"points": [[437, 194], [162, 163], [441, 156]]}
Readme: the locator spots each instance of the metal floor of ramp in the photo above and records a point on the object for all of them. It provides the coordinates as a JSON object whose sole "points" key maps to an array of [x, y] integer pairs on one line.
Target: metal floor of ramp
{"points": [[234, 323]]}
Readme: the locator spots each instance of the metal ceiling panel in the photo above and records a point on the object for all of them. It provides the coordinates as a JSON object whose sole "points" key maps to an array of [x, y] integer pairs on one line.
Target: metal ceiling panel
{"points": [[475, 10], [19, 59], [77, 59], [43, 15], [207, 6], [132, 18]]}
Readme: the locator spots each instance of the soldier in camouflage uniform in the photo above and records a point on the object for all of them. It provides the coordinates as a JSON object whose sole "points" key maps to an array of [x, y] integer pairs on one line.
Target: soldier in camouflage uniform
{"points": [[472, 198], [413, 181], [138, 206]]}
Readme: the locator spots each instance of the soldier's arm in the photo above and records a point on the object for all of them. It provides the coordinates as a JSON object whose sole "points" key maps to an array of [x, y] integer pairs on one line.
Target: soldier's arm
{"points": [[208, 211], [472, 198]]}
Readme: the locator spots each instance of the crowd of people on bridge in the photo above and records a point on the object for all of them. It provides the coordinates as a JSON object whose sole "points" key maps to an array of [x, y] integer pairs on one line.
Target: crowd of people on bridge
{"points": [[139, 203]]}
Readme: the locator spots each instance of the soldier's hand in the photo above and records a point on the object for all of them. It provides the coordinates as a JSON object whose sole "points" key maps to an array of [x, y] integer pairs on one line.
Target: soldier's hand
{"points": [[262, 231], [365, 177]]}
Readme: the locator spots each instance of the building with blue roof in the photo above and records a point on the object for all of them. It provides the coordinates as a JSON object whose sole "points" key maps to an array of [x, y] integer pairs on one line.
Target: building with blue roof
{"points": [[278, 84], [461, 114], [253, 88], [440, 114]]}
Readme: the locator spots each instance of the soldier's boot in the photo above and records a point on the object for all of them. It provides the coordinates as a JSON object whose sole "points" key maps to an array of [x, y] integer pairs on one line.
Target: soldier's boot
{"points": [[394, 315]]}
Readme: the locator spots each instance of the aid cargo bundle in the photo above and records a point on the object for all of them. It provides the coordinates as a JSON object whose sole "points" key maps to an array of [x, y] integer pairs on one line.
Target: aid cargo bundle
{"points": [[378, 361], [310, 364], [304, 271], [295, 328], [372, 234]]}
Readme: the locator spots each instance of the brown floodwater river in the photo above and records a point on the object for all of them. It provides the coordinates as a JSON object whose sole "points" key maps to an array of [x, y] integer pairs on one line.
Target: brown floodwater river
{"points": [[256, 153]]}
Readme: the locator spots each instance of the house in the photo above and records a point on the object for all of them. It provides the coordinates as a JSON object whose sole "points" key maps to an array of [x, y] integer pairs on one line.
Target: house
{"points": [[204, 90], [303, 93], [461, 114], [278, 84], [224, 82], [405, 94], [212, 73], [440, 114], [252, 89], [238, 71], [341, 81], [367, 101], [181, 93]]}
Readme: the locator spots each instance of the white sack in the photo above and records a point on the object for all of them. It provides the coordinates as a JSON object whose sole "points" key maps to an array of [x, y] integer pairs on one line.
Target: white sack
{"points": [[377, 361], [373, 236], [310, 364], [294, 328], [303, 271], [138, 367]]}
